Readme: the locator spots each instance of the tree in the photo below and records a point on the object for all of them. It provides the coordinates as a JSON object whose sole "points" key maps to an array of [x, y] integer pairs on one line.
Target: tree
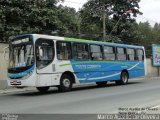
{"points": [[35, 16], [68, 21], [147, 36], [119, 11]]}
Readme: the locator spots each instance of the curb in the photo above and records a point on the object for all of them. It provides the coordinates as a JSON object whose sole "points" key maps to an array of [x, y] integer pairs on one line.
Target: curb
{"points": [[13, 90]]}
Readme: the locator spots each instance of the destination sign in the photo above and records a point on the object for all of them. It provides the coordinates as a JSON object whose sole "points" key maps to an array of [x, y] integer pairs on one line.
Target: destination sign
{"points": [[19, 41]]}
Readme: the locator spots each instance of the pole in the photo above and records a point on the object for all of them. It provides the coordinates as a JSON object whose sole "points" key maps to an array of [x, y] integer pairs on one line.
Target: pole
{"points": [[158, 71], [104, 24]]}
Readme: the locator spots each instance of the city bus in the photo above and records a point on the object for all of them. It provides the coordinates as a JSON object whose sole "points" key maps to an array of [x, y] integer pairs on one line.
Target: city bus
{"points": [[45, 61]]}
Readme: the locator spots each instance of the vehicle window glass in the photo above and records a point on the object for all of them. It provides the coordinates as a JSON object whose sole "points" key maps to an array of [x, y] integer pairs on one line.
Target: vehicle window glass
{"points": [[109, 53], [64, 50], [131, 54], [121, 54], [120, 50], [140, 55], [47, 53], [96, 52], [44, 52], [80, 51]]}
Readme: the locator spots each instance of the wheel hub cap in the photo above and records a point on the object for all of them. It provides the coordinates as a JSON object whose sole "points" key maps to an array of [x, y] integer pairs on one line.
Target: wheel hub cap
{"points": [[66, 82]]}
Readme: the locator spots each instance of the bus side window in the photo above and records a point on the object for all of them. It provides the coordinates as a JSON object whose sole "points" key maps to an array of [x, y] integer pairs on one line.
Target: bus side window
{"points": [[80, 51], [121, 53], [131, 54], [96, 52], [109, 53], [140, 54], [63, 50]]}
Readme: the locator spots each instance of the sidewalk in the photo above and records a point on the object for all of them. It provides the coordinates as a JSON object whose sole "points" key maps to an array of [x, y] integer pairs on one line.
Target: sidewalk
{"points": [[15, 90], [4, 88]]}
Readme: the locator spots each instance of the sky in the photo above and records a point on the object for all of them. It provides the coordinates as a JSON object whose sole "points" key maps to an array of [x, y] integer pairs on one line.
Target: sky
{"points": [[151, 11], [149, 8]]}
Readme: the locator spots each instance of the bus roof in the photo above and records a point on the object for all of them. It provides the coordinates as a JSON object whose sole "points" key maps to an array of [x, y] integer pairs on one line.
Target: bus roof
{"points": [[80, 40]]}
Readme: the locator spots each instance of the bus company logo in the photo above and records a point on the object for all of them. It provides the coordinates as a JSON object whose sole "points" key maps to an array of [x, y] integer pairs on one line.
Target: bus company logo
{"points": [[9, 117], [88, 66]]}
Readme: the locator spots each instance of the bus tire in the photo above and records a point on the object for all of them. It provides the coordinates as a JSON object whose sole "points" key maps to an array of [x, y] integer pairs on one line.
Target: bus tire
{"points": [[65, 83], [101, 84], [124, 79], [43, 89]]}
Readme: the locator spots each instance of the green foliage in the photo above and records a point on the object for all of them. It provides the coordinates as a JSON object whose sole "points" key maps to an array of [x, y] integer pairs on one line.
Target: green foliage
{"points": [[117, 11], [35, 16], [120, 26], [148, 35], [46, 17]]}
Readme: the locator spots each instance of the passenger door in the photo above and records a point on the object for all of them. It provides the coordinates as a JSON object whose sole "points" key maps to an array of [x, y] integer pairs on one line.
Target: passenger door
{"points": [[45, 56]]}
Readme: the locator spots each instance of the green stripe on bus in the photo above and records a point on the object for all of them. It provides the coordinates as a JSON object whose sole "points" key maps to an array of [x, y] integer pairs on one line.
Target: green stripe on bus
{"points": [[83, 40]]}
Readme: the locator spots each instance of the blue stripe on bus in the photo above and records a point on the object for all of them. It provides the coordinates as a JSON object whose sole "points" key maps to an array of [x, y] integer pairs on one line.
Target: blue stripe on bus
{"points": [[103, 71], [22, 74]]}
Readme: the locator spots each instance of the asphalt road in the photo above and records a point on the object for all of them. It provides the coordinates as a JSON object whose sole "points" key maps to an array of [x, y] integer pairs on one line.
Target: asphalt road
{"points": [[87, 99]]}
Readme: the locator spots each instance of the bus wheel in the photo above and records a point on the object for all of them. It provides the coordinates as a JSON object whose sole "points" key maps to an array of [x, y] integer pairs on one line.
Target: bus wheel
{"points": [[42, 89], [123, 80], [65, 83], [101, 84]]}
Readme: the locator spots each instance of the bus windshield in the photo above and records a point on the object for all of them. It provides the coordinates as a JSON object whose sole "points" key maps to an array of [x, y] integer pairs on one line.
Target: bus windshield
{"points": [[21, 53]]}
